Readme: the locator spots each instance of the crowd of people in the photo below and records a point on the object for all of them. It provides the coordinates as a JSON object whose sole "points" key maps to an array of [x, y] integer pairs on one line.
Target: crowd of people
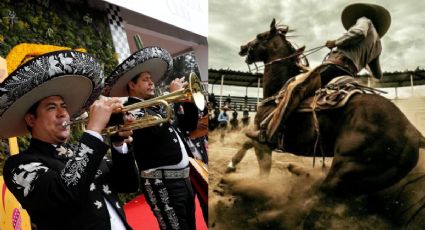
{"points": [[221, 120]]}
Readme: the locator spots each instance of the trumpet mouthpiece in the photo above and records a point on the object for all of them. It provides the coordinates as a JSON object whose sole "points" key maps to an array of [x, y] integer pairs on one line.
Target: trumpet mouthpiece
{"points": [[66, 123]]}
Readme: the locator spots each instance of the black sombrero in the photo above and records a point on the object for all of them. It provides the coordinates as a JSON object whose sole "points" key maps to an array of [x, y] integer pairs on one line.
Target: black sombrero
{"points": [[155, 60], [379, 16], [75, 76]]}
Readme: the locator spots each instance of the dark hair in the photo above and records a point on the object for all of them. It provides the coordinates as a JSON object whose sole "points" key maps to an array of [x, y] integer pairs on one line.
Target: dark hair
{"points": [[33, 111], [134, 80]]}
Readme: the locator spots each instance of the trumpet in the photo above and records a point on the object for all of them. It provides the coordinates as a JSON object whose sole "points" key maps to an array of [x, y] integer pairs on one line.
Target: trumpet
{"points": [[192, 92]]}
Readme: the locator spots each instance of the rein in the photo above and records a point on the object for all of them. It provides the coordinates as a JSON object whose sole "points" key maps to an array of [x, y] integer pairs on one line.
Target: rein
{"points": [[304, 53]]}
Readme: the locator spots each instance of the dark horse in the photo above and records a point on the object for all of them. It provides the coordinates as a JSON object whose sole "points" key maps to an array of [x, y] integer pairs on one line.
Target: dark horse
{"points": [[372, 143]]}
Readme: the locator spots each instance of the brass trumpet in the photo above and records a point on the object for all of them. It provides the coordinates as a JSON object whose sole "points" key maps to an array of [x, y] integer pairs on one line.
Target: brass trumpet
{"points": [[192, 92]]}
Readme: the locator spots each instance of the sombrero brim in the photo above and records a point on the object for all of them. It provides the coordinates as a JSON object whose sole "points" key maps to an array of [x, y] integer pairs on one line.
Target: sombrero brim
{"points": [[76, 77], [155, 60], [379, 16]]}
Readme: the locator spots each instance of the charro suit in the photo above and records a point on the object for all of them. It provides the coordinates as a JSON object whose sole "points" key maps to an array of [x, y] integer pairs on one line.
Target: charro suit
{"points": [[67, 189], [170, 195]]}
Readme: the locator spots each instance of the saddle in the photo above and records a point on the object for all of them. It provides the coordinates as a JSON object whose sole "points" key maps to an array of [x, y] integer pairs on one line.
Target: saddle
{"points": [[334, 95]]}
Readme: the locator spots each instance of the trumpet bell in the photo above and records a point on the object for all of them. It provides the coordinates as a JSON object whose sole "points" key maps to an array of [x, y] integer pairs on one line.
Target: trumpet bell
{"points": [[195, 87], [198, 99]]}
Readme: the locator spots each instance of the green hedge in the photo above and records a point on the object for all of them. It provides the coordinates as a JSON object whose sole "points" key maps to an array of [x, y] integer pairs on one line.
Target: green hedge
{"points": [[53, 22]]}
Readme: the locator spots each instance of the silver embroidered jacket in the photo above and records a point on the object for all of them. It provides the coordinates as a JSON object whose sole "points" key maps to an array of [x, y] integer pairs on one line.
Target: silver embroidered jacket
{"points": [[66, 189]]}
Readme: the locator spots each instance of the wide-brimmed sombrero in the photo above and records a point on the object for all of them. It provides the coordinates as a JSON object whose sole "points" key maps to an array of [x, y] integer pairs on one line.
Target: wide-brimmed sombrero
{"points": [[155, 60], [76, 77], [379, 16]]}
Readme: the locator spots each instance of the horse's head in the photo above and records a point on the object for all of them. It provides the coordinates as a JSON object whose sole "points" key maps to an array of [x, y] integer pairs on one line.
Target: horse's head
{"points": [[268, 45], [271, 47]]}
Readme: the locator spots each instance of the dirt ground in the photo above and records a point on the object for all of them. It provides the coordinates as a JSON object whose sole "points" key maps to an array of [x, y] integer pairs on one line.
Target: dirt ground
{"points": [[284, 200]]}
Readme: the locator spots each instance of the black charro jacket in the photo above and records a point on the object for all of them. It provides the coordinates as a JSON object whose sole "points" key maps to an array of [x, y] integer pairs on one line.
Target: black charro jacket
{"points": [[67, 190], [158, 146]]}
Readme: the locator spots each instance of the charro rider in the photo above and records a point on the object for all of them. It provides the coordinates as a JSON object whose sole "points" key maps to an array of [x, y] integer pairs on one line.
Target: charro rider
{"points": [[60, 187], [358, 48], [160, 151]]}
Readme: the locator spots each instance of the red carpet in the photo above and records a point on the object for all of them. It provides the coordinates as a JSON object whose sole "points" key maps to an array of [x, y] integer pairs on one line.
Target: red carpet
{"points": [[140, 216]]}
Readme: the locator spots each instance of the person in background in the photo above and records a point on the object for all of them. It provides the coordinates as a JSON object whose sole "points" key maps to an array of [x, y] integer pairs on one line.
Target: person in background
{"points": [[223, 120], [245, 117], [234, 122]]}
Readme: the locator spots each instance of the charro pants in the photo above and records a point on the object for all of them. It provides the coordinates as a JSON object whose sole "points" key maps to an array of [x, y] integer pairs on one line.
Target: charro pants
{"points": [[172, 201]]}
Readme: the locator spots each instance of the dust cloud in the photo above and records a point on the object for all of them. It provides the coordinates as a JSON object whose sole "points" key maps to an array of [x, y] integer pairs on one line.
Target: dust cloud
{"points": [[288, 199]]}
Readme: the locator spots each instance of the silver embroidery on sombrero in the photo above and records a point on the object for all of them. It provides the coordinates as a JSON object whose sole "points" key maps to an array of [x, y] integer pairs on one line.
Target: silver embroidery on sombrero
{"points": [[43, 68], [24, 176], [140, 57], [71, 174]]}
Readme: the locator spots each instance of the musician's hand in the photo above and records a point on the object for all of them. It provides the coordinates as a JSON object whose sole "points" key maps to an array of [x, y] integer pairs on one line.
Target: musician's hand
{"points": [[125, 135], [100, 112], [330, 44], [178, 83]]}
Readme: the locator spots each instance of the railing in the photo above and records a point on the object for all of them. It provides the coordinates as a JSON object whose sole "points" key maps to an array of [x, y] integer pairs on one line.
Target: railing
{"points": [[238, 103]]}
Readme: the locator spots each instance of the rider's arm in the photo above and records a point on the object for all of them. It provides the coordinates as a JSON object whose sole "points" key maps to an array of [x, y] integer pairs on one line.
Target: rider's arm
{"points": [[355, 34]]}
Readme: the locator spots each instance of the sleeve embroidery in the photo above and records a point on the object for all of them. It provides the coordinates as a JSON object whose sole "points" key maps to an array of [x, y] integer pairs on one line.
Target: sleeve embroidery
{"points": [[25, 175]]}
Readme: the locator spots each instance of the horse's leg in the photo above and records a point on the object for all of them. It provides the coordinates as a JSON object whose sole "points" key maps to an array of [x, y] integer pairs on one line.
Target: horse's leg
{"points": [[367, 169], [231, 167], [264, 158], [373, 150]]}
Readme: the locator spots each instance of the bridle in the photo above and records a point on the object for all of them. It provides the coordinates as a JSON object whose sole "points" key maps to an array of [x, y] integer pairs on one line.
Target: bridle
{"points": [[298, 52]]}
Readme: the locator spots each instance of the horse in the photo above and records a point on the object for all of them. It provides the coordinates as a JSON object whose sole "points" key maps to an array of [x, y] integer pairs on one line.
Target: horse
{"points": [[373, 145]]}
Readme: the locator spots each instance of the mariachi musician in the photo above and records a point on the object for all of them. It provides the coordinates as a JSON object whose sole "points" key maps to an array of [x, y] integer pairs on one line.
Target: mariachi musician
{"points": [[161, 152], [64, 187]]}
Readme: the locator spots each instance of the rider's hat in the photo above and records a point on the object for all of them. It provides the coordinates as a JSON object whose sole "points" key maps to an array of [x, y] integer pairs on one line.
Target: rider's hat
{"points": [[379, 16], [155, 60], [75, 76]]}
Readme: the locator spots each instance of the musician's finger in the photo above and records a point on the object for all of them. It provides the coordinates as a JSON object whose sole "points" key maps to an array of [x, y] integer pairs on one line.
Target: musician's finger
{"points": [[125, 132], [128, 140]]}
